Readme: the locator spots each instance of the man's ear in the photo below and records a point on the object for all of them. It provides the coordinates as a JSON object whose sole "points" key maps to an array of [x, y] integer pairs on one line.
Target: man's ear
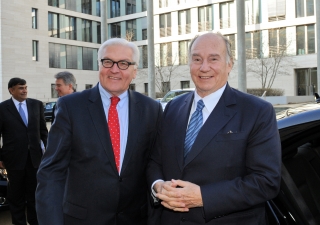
{"points": [[10, 89]]}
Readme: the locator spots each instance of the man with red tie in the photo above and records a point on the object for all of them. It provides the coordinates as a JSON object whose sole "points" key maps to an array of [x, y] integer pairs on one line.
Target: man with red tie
{"points": [[93, 171]]}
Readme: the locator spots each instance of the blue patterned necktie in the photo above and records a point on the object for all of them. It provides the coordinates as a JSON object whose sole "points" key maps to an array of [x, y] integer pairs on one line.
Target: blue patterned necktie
{"points": [[194, 126], [23, 116]]}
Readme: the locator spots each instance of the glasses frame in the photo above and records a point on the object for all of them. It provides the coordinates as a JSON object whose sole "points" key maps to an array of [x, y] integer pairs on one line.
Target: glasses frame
{"points": [[114, 62]]}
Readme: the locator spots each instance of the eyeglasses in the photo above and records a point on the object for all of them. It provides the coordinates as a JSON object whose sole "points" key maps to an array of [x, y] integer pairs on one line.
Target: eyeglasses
{"points": [[122, 65]]}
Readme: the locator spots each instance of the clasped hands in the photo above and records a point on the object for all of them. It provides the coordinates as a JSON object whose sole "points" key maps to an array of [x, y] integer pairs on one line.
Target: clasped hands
{"points": [[178, 195]]}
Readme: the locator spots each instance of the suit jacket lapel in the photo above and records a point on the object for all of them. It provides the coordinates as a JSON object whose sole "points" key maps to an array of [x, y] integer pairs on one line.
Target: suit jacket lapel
{"points": [[133, 133], [31, 110], [181, 127], [13, 110], [221, 114], [98, 117]]}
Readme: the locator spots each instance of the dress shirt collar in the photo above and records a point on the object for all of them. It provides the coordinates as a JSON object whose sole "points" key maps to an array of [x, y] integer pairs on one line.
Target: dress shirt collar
{"points": [[106, 95], [16, 102], [210, 101]]}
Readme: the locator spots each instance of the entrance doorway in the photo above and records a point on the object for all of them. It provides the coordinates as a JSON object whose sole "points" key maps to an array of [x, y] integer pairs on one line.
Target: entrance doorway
{"points": [[306, 81]]}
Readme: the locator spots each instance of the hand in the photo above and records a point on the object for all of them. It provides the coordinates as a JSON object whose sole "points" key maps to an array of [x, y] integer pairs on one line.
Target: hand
{"points": [[180, 195], [2, 165]]}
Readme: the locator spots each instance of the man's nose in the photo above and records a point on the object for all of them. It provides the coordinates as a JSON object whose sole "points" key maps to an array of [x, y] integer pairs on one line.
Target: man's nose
{"points": [[115, 68], [205, 66]]}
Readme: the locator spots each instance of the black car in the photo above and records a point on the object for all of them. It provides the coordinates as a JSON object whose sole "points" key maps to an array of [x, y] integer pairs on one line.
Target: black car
{"points": [[298, 202], [48, 108]]}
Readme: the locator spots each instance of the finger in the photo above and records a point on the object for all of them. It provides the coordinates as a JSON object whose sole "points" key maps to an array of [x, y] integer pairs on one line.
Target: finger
{"points": [[180, 183], [173, 204]]}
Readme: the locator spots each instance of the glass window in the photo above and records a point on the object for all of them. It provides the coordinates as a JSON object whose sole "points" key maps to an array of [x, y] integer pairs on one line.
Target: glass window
{"points": [[99, 33], [144, 34], [86, 30], [73, 5], [87, 58], [54, 55], [163, 3], [277, 42], [183, 52], [304, 8], [185, 84], [184, 22], [35, 50], [115, 8], [115, 30], [166, 54], [54, 93], [71, 53], [311, 39], [53, 24], [227, 15], [34, 16], [251, 12], [165, 25], [310, 7], [54, 3], [276, 10], [253, 48], [131, 7], [145, 56], [305, 39], [98, 13], [88, 86], [204, 18], [144, 5], [301, 40], [232, 40], [146, 88], [131, 30], [132, 87], [86, 6], [70, 28]]}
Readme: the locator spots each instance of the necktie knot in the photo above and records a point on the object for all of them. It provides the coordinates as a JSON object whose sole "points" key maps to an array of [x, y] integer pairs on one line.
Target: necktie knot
{"points": [[114, 100], [200, 105]]}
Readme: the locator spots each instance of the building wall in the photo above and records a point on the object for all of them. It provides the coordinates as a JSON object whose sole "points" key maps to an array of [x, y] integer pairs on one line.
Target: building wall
{"points": [[16, 47]]}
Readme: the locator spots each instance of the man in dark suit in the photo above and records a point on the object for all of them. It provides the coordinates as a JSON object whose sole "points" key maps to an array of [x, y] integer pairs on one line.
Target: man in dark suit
{"points": [[65, 84], [22, 127], [93, 171], [218, 151]]}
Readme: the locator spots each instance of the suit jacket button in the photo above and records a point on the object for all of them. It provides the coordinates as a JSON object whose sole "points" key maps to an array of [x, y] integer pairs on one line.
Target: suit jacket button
{"points": [[183, 219]]}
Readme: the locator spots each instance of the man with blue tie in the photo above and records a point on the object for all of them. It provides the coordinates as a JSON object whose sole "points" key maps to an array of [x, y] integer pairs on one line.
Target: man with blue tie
{"points": [[22, 127], [218, 157]]}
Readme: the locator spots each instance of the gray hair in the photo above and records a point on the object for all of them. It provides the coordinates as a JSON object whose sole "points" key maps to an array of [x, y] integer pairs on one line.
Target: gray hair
{"points": [[229, 57], [122, 42], [67, 78]]}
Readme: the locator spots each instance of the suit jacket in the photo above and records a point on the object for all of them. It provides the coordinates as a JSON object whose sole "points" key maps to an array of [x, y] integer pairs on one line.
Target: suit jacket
{"points": [[235, 159], [78, 182], [19, 139]]}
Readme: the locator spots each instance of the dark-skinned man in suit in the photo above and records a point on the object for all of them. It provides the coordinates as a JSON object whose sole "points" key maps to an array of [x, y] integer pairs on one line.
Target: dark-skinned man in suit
{"points": [[93, 171], [22, 127], [218, 157]]}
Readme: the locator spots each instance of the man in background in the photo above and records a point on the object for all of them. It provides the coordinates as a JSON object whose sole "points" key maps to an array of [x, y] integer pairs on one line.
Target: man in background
{"points": [[65, 84], [22, 127]]}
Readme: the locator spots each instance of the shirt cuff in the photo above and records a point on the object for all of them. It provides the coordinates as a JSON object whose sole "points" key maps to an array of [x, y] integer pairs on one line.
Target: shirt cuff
{"points": [[153, 192]]}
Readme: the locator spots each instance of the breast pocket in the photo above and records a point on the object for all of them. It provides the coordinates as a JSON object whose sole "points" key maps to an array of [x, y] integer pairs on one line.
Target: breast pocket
{"points": [[231, 137]]}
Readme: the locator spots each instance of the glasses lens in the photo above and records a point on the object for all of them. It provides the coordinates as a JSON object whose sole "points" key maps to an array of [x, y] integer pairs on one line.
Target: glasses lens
{"points": [[123, 65], [107, 63]]}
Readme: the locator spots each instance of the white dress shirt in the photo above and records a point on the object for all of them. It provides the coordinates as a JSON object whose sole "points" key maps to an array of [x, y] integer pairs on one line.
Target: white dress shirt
{"points": [[123, 114], [23, 106]]}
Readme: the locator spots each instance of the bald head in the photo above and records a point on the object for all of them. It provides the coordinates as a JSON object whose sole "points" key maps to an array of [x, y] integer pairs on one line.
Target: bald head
{"points": [[211, 38]]}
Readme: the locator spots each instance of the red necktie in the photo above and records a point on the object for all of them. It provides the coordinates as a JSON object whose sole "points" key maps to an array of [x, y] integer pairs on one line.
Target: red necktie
{"points": [[114, 129]]}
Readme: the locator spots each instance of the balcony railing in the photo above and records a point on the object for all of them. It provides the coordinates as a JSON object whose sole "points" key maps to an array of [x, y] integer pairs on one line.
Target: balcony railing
{"points": [[204, 26], [165, 32], [184, 29]]}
